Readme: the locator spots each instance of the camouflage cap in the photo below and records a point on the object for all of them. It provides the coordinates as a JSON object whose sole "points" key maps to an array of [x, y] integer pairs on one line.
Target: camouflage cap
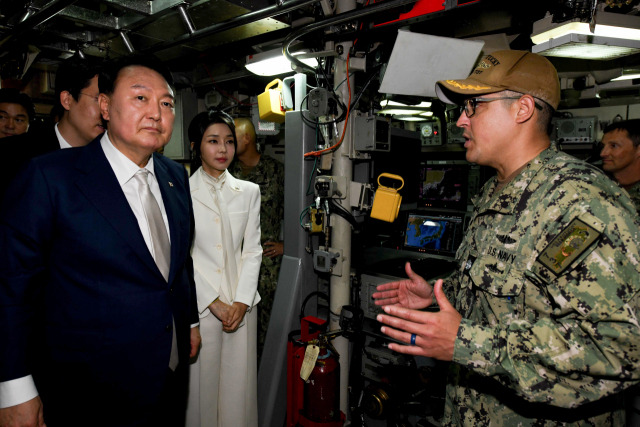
{"points": [[515, 70]]}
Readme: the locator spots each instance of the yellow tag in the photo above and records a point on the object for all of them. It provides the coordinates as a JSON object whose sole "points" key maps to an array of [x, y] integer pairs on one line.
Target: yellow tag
{"points": [[576, 238], [309, 362]]}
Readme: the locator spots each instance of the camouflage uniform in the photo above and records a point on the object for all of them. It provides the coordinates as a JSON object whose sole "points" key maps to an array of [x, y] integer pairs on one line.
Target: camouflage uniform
{"points": [[269, 175], [548, 289], [634, 193]]}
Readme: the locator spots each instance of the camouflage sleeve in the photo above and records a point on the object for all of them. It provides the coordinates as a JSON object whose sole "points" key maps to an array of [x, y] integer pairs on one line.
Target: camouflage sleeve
{"points": [[574, 337], [451, 286]]}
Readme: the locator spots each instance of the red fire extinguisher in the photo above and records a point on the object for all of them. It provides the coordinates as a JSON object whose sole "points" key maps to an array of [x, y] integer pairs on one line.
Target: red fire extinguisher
{"points": [[316, 402], [322, 389]]}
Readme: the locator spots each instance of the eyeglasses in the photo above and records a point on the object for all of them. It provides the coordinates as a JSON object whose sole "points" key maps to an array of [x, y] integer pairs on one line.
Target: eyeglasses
{"points": [[469, 105], [95, 98]]}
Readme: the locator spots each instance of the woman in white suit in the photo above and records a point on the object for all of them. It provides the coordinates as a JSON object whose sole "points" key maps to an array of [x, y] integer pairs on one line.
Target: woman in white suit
{"points": [[226, 256]]}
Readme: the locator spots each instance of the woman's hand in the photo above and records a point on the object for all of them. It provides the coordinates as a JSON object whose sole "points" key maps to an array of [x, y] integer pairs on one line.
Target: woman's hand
{"points": [[272, 249], [220, 310], [236, 314]]}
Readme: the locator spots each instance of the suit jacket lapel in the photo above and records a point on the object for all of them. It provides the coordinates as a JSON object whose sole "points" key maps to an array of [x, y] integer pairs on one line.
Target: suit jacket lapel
{"points": [[200, 192], [99, 185]]}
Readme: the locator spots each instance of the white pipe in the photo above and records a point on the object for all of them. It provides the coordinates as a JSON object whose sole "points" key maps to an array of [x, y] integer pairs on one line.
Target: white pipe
{"points": [[340, 290], [300, 87]]}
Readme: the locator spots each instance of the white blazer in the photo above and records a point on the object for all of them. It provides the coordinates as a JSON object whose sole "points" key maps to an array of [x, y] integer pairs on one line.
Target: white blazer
{"points": [[243, 203]]}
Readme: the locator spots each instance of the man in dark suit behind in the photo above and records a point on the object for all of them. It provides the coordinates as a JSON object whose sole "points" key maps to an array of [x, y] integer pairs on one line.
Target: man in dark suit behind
{"points": [[87, 317], [76, 88]]}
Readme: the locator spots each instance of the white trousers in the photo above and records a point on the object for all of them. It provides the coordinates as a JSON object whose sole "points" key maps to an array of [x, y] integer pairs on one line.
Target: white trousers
{"points": [[223, 381]]}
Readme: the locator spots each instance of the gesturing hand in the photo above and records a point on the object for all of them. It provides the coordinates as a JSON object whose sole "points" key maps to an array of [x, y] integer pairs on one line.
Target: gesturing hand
{"points": [[435, 332], [413, 292]]}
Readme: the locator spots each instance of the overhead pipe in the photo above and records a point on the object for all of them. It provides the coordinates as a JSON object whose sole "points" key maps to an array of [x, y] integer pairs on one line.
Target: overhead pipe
{"points": [[186, 19], [36, 19], [126, 41], [247, 18], [336, 20]]}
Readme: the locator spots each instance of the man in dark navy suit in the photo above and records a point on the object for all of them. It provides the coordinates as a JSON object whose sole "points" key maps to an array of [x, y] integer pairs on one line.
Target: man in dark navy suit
{"points": [[76, 88], [95, 329]]}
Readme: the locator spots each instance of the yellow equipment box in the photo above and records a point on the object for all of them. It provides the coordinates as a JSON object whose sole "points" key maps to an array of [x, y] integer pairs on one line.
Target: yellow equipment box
{"points": [[386, 202], [270, 103]]}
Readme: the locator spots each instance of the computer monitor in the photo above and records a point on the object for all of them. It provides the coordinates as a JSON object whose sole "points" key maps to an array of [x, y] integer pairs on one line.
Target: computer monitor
{"points": [[438, 234], [443, 184]]}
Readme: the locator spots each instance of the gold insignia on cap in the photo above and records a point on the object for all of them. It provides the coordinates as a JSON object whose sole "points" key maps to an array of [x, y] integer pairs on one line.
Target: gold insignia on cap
{"points": [[466, 87], [567, 246]]}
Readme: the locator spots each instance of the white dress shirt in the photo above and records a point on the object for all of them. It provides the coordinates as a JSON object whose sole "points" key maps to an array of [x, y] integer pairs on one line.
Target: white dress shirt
{"points": [[63, 142]]}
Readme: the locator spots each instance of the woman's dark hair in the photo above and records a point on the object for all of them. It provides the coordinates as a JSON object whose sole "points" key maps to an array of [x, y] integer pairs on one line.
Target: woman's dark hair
{"points": [[199, 124]]}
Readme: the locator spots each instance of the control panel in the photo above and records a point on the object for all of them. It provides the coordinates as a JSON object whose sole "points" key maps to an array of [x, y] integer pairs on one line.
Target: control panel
{"points": [[574, 130]]}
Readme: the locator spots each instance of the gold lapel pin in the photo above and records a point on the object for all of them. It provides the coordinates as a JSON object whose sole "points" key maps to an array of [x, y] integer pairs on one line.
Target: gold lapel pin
{"points": [[170, 184]]}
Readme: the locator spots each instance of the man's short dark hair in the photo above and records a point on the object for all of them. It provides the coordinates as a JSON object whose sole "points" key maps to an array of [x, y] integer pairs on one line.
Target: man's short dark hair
{"points": [[631, 126], [108, 76], [75, 74], [14, 96]]}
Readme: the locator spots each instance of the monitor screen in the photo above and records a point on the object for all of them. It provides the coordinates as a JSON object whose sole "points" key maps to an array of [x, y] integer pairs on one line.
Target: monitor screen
{"points": [[435, 234], [443, 185]]}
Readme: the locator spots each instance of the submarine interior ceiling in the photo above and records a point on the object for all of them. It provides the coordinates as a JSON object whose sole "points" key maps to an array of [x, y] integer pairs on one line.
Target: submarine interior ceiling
{"points": [[205, 42]]}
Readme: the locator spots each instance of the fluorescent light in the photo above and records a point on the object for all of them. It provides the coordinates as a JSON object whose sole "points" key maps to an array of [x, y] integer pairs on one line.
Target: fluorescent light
{"points": [[587, 47], [396, 108], [409, 118], [628, 75], [583, 28], [388, 102], [614, 35], [273, 62], [400, 111]]}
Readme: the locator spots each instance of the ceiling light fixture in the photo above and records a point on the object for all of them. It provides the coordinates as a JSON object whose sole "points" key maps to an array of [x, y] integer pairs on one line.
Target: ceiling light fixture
{"points": [[614, 35], [409, 118], [396, 108], [273, 62], [628, 75]]}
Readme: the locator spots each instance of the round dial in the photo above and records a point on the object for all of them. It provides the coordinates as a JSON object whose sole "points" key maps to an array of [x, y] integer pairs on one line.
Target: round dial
{"points": [[426, 130]]}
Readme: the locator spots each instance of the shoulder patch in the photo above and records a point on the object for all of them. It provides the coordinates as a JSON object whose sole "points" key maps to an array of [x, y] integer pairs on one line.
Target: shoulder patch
{"points": [[567, 246]]}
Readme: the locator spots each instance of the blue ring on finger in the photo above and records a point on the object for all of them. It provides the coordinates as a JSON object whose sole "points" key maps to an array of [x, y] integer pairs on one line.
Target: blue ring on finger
{"points": [[413, 339]]}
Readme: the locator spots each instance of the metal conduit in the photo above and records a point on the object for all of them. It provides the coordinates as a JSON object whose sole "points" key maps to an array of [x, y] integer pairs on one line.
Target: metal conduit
{"points": [[336, 20], [237, 21], [40, 17]]}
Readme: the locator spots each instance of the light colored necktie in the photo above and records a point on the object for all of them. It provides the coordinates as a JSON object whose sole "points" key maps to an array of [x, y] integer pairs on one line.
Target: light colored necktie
{"points": [[159, 241], [230, 267], [157, 228]]}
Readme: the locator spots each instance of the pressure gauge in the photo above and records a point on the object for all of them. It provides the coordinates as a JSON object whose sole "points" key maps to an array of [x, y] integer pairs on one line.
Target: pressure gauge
{"points": [[430, 133], [426, 130]]}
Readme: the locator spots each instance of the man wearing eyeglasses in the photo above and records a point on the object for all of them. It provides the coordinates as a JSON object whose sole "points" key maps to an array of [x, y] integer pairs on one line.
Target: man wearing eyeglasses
{"points": [[76, 87], [77, 92], [540, 321]]}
